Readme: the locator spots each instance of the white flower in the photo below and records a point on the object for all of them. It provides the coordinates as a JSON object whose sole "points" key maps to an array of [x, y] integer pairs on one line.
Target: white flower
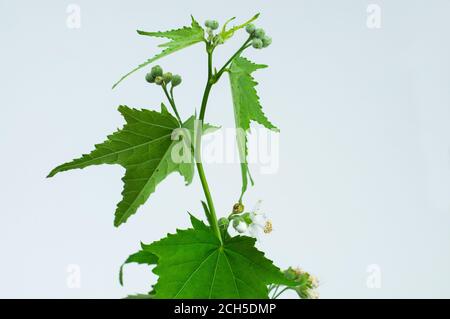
{"points": [[260, 224], [314, 281], [241, 227]]}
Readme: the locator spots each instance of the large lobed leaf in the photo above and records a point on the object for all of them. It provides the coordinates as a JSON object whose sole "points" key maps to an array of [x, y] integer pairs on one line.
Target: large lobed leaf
{"points": [[247, 108], [179, 39], [194, 264], [144, 147]]}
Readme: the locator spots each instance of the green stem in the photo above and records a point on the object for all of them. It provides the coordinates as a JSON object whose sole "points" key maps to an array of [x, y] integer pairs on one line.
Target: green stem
{"points": [[238, 52], [198, 159], [212, 79], [276, 289], [283, 290], [172, 102]]}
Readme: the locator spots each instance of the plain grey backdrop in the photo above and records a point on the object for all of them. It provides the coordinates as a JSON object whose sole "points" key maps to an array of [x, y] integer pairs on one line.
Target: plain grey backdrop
{"points": [[364, 114]]}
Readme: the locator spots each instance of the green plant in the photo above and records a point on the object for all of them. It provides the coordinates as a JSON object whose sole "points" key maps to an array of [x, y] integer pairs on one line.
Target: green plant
{"points": [[204, 261]]}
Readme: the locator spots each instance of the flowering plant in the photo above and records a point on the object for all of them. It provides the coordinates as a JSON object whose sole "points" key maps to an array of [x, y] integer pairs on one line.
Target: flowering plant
{"points": [[206, 260]]}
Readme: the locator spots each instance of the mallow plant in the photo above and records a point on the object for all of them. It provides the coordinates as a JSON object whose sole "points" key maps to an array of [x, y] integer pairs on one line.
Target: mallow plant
{"points": [[216, 257]]}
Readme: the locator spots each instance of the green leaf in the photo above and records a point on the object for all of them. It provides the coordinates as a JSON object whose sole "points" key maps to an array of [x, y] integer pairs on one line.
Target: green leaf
{"points": [[194, 264], [179, 39], [196, 223], [141, 257], [247, 108], [207, 213], [144, 147], [226, 34]]}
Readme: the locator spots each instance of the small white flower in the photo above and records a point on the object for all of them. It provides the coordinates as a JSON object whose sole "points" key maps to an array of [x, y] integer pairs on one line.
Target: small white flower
{"points": [[241, 227], [314, 281], [313, 294], [260, 224]]}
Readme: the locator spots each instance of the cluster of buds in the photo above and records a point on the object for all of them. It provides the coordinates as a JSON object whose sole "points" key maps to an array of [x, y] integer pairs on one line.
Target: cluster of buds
{"points": [[211, 26], [254, 223], [259, 38], [158, 77], [307, 283]]}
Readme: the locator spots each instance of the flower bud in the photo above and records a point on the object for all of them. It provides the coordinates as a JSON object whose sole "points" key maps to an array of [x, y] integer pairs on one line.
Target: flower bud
{"points": [[250, 28], [159, 80], [176, 80], [240, 225], [157, 71], [238, 208], [167, 77], [150, 78], [223, 223], [212, 24], [266, 40], [257, 43], [260, 33], [290, 274]]}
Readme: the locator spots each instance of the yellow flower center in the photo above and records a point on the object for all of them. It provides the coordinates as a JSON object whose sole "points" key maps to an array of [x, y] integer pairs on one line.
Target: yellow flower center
{"points": [[268, 227]]}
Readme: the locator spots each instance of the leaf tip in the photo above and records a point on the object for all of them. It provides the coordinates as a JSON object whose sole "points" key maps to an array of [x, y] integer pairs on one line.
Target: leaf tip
{"points": [[117, 222], [53, 172], [116, 84]]}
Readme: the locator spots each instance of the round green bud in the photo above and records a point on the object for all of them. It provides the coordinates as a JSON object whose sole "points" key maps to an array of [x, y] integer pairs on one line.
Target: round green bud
{"points": [[260, 33], [176, 80], [290, 274], [167, 77], [223, 223], [150, 78], [159, 80], [212, 24], [257, 43], [266, 40], [250, 28], [157, 71]]}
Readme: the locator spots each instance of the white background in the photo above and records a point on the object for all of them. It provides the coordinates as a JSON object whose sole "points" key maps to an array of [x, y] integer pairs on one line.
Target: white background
{"points": [[364, 146]]}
